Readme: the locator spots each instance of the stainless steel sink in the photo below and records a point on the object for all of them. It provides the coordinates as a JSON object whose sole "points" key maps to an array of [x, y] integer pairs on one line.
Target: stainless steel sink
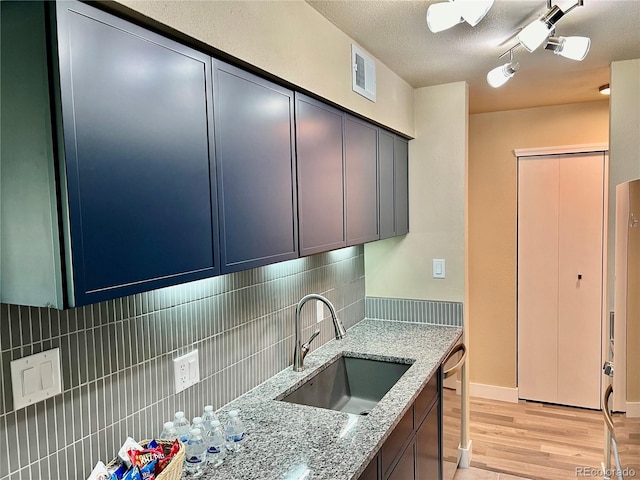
{"points": [[349, 384]]}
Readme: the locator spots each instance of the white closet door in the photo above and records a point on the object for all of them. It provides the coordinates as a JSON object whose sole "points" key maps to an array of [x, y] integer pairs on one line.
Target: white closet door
{"points": [[580, 254], [560, 228], [538, 278]]}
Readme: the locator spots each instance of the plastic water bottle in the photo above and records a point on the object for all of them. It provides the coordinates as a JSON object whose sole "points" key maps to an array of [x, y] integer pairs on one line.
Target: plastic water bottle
{"points": [[207, 417], [234, 431], [197, 423], [216, 448], [182, 426], [169, 432], [195, 454]]}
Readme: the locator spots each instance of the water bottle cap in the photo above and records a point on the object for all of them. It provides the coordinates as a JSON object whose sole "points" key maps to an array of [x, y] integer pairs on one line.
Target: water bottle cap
{"points": [[208, 408], [215, 423], [233, 413], [179, 414], [168, 425], [195, 431], [197, 420]]}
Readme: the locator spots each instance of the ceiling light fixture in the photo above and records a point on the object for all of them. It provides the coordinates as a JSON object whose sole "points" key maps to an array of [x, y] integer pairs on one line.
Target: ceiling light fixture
{"points": [[501, 75], [442, 16], [574, 48], [534, 34], [605, 89]]}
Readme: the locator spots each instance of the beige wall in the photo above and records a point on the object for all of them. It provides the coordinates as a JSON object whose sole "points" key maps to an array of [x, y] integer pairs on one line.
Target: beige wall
{"points": [[625, 166], [633, 298], [401, 267], [293, 41], [491, 307], [624, 146]]}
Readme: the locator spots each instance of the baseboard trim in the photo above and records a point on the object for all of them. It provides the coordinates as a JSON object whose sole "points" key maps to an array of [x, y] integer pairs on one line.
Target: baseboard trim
{"points": [[493, 392], [633, 410], [464, 455]]}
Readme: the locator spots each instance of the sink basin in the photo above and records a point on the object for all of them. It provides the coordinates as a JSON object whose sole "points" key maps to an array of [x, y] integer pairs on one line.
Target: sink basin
{"points": [[349, 384]]}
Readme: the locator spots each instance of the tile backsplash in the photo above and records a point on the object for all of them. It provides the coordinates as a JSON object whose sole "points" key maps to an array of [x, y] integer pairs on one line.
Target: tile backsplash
{"points": [[421, 311], [117, 357]]}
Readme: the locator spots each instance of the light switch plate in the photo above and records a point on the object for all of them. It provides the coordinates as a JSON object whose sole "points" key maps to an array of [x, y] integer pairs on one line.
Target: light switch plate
{"points": [[36, 377], [186, 370], [439, 268]]}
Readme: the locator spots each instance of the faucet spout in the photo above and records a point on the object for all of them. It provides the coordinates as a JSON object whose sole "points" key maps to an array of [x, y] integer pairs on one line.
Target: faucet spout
{"points": [[301, 350]]}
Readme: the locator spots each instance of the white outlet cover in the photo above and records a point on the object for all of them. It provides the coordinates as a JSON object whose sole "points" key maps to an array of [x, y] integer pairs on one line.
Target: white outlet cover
{"points": [[186, 371], [36, 378]]}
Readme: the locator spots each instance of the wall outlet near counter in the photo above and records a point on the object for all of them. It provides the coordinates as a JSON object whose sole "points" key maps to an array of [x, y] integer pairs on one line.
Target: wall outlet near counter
{"points": [[36, 377], [186, 370]]}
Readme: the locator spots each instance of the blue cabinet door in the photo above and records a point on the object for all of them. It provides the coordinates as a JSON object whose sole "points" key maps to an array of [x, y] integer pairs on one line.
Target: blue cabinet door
{"points": [[361, 181], [255, 168], [387, 204], [137, 123], [319, 153], [401, 163]]}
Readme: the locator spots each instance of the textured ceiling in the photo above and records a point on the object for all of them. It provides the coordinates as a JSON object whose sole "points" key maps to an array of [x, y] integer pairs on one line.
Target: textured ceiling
{"points": [[396, 33]]}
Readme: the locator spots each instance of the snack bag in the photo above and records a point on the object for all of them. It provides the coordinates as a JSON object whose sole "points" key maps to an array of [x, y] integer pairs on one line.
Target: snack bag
{"points": [[139, 458], [148, 471], [168, 455]]}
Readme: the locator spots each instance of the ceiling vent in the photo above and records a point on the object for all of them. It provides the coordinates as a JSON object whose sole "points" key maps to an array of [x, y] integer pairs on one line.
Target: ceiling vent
{"points": [[364, 73]]}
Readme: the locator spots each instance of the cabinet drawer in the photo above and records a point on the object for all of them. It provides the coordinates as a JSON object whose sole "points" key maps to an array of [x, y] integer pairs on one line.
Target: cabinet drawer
{"points": [[396, 441], [426, 397]]}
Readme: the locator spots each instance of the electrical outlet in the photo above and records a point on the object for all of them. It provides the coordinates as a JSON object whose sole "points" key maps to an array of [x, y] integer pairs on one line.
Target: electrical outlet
{"points": [[319, 311], [186, 370]]}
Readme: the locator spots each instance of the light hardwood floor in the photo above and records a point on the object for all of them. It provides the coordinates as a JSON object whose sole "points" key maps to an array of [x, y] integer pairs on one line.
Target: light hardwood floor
{"points": [[541, 441]]}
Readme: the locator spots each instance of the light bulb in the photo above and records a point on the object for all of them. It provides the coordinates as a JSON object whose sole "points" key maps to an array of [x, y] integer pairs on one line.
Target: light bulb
{"points": [[472, 11], [441, 16], [500, 75], [532, 36], [575, 48]]}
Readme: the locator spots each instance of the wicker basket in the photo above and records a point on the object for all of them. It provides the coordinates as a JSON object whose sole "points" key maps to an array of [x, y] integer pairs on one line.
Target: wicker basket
{"points": [[173, 471]]}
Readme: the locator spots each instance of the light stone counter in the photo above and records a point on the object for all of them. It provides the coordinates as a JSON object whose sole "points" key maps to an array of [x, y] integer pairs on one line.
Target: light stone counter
{"points": [[286, 441]]}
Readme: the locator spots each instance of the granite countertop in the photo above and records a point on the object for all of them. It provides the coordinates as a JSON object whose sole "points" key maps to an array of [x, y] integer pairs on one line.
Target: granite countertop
{"points": [[286, 441]]}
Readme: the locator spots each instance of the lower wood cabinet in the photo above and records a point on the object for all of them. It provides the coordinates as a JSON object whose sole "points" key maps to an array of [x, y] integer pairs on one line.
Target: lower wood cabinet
{"points": [[413, 450], [428, 459]]}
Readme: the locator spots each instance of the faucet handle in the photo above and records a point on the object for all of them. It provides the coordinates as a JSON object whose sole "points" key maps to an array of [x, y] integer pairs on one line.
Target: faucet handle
{"points": [[307, 346]]}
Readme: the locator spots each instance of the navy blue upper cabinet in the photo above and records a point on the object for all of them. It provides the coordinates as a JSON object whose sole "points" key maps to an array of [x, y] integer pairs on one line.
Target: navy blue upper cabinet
{"points": [[401, 196], [387, 207], [394, 186], [256, 169], [361, 180], [319, 130], [138, 145]]}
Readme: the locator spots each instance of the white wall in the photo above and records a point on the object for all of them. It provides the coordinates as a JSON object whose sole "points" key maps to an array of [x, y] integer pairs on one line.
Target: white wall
{"points": [[293, 41], [401, 267]]}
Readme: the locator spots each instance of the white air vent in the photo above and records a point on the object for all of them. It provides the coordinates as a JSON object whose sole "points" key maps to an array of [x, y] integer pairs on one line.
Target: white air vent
{"points": [[364, 73]]}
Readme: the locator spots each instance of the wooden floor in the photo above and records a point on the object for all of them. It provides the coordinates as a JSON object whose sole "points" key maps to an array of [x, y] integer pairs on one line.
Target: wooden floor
{"points": [[540, 441]]}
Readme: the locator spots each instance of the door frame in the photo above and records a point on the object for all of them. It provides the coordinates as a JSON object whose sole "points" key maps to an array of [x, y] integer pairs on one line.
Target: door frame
{"points": [[604, 314]]}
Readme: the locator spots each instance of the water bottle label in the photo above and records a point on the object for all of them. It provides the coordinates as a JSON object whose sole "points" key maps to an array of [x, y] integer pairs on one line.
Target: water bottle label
{"points": [[236, 438], [213, 450], [194, 459]]}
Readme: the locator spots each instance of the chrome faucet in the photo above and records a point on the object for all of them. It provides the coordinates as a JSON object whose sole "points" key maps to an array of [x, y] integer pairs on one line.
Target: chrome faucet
{"points": [[301, 350]]}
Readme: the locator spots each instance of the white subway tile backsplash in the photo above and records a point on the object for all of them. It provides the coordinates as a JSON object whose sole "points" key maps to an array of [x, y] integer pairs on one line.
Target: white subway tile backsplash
{"points": [[242, 324]]}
